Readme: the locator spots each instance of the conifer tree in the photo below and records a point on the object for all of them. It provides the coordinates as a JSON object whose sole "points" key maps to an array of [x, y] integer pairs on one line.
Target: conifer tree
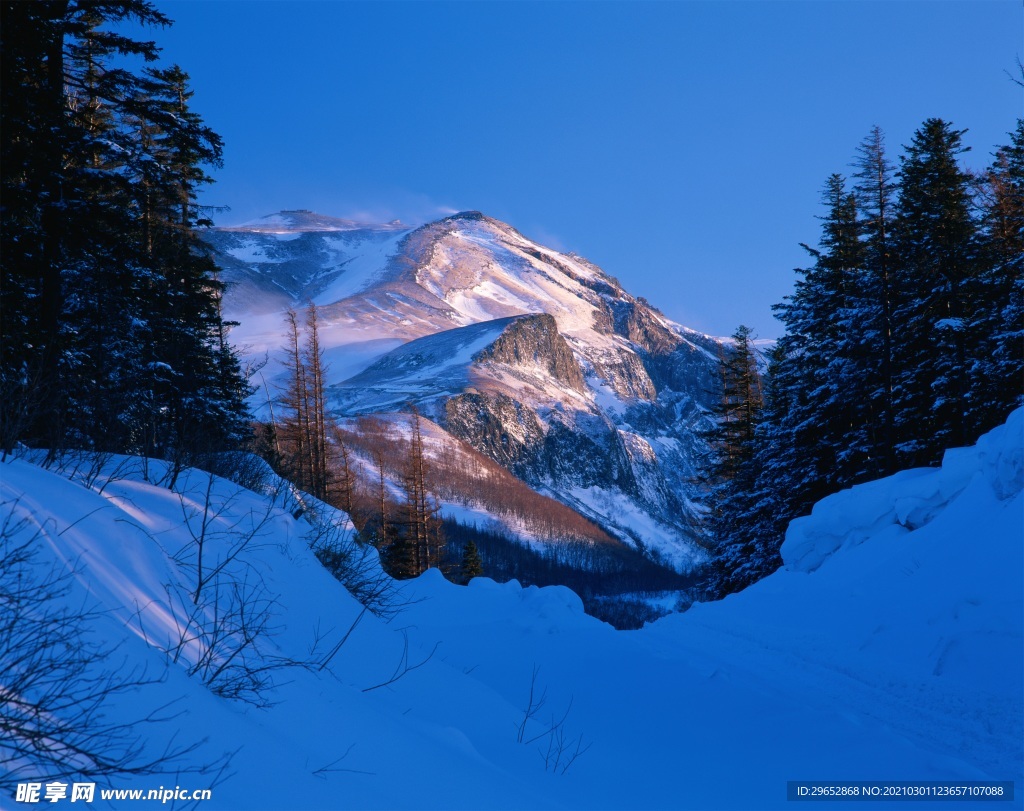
{"points": [[905, 337], [999, 372], [875, 192], [733, 473], [819, 366], [936, 309], [472, 565], [112, 335]]}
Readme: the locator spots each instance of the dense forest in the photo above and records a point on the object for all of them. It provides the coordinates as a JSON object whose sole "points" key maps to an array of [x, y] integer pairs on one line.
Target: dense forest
{"points": [[903, 338], [113, 338]]}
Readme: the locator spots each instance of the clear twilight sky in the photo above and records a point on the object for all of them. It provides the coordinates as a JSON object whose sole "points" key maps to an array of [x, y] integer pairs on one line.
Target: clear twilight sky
{"points": [[682, 146]]}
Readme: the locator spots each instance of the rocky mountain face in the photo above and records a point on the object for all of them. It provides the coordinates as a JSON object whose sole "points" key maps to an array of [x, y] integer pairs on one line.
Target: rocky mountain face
{"points": [[539, 360]]}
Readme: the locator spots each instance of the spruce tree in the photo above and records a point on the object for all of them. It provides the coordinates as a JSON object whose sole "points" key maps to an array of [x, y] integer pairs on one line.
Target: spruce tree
{"points": [[873, 330], [733, 473], [66, 227], [112, 332], [936, 327], [820, 365], [904, 338], [807, 439], [999, 370], [472, 565]]}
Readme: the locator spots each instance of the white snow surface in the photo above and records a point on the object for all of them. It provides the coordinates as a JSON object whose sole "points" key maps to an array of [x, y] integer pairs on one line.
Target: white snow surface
{"points": [[888, 648], [363, 259], [305, 221]]}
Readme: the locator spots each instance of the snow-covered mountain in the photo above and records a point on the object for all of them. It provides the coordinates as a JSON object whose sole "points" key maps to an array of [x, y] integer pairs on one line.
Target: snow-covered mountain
{"points": [[538, 359]]}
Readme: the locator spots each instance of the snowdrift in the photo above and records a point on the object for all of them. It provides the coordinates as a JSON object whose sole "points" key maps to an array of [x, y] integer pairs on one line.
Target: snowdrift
{"points": [[888, 647]]}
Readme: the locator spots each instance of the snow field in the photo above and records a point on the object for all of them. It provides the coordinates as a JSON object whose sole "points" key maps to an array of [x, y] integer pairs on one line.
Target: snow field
{"points": [[890, 651]]}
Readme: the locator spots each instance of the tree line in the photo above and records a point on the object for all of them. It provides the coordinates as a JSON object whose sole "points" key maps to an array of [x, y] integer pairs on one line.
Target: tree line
{"points": [[609, 578], [903, 338], [305, 444], [459, 473], [377, 469], [112, 332]]}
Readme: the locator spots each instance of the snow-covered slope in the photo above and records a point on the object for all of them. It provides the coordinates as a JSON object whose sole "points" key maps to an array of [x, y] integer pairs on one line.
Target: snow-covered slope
{"points": [[889, 647], [602, 396], [305, 221]]}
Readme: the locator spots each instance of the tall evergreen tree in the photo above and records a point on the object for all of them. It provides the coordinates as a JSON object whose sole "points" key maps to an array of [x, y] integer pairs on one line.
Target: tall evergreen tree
{"points": [[112, 335], [733, 471], [999, 370], [935, 314], [875, 197], [905, 337], [64, 219], [820, 366]]}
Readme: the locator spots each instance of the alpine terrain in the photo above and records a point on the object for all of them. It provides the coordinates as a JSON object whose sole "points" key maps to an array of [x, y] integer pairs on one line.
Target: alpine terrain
{"points": [[538, 360]]}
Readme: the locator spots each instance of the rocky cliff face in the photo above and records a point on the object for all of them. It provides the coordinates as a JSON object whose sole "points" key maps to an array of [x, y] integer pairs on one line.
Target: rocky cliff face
{"points": [[538, 359], [534, 341]]}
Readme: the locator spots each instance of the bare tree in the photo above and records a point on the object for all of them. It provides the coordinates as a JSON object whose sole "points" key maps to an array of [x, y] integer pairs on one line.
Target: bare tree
{"points": [[58, 684], [313, 359], [342, 493], [422, 524], [225, 613], [293, 428], [303, 430], [356, 565], [557, 748]]}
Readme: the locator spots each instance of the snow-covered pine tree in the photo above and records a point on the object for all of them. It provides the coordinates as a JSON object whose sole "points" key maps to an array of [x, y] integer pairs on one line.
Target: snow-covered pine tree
{"points": [[904, 338], [999, 370], [733, 473], [935, 317], [819, 371], [200, 403], [809, 438], [874, 193], [112, 337]]}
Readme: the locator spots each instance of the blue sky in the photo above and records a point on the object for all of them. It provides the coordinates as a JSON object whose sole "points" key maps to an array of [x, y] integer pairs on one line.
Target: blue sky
{"points": [[682, 146]]}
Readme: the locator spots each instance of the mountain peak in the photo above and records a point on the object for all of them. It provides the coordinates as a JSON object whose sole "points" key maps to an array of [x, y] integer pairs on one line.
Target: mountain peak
{"points": [[302, 220], [468, 215]]}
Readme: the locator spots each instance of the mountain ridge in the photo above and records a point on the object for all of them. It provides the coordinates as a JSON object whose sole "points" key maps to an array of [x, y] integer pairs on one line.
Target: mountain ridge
{"points": [[302, 220], [587, 393]]}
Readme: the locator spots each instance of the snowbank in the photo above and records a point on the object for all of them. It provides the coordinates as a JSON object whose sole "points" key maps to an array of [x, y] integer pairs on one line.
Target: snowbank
{"points": [[908, 500], [889, 647]]}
